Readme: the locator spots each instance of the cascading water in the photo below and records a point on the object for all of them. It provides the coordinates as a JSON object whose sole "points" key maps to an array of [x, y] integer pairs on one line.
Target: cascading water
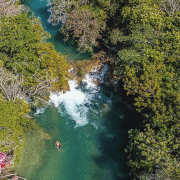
{"points": [[77, 101], [73, 102]]}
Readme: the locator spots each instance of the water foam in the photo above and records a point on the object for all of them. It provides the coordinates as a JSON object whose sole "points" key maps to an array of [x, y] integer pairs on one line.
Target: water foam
{"points": [[73, 101], [94, 76], [76, 101], [39, 111]]}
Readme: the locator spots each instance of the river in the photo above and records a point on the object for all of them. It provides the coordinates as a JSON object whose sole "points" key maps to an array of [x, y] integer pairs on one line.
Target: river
{"points": [[89, 121], [40, 9]]}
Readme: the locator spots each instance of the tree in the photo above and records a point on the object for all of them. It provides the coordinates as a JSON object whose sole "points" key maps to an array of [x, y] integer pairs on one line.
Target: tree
{"points": [[14, 122], [10, 7], [84, 26], [84, 20], [34, 63], [155, 152], [170, 6], [146, 40], [11, 86], [61, 8]]}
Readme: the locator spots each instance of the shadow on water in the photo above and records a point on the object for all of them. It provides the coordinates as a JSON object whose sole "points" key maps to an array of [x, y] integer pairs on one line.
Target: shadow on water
{"points": [[114, 143]]}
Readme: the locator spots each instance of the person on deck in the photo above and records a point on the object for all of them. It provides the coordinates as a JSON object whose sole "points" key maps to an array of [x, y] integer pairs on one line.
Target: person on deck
{"points": [[58, 145]]}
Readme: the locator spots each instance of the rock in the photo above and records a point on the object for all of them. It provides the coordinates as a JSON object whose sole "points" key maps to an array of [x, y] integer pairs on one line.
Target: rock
{"points": [[96, 81]]}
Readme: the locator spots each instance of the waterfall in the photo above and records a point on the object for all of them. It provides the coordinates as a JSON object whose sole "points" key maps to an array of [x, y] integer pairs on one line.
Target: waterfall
{"points": [[77, 101]]}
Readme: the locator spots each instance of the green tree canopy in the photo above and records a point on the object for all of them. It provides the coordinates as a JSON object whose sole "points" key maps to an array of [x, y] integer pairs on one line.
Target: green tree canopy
{"points": [[84, 20], [14, 122], [147, 43], [24, 52]]}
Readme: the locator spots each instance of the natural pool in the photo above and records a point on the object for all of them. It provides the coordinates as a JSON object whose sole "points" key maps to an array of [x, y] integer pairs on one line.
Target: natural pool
{"points": [[92, 128]]}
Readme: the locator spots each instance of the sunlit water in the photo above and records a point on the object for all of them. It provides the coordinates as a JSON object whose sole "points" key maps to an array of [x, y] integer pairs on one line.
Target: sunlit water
{"points": [[88, 120]]}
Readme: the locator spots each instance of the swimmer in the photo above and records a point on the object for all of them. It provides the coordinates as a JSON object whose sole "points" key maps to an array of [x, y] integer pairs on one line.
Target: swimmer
{"points": [[58, 145]]}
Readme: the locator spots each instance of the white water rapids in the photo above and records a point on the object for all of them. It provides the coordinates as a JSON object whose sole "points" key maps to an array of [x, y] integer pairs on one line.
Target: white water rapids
{"points": [[77, 101]]}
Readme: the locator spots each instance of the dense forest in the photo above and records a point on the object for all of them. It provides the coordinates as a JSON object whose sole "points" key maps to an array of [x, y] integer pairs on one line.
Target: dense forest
{"points": [[142, 39]]}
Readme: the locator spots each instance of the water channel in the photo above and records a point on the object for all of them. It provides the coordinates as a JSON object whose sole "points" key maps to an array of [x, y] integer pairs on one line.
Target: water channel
{"points": [[88, 120], [40, 8]]}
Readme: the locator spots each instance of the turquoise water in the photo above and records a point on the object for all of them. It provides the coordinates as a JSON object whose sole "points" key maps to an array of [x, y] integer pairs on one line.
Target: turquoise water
{"points": [[88, 120], [91, 125], [40, 9]]}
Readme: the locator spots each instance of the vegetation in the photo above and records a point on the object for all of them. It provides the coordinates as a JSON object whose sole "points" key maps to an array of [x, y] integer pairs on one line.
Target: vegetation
{"points": [[81, 20], [143, 39], [10, 7], [143, 36], [14, 122], [148, 62], [29, 68], [81, 68]]}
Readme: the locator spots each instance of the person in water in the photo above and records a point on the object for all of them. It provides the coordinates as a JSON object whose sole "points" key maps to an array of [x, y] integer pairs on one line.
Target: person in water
{"points": [[58, 145]]}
